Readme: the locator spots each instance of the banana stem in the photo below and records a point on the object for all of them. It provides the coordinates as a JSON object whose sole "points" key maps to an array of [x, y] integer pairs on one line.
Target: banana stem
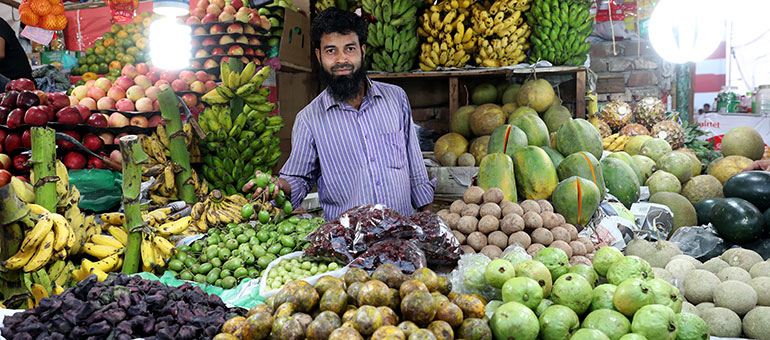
{"points": [[179, 154], [236, 104], [44, 164], [133, 157]]}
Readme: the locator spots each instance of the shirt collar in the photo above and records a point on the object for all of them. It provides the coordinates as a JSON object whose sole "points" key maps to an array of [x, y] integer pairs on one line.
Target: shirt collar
{"points": [[372, 91]]}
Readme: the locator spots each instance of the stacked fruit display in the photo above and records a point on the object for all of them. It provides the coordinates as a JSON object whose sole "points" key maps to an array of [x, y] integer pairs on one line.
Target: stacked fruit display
{"points": [[216, 210], [393, 37], [156, 249], [238, 143], [286, 271], [560, 30], [722, 290], [235, 252], [122, 45], [46, 14], [447, 35], [504, 42], [387, 304], [484, 222]]}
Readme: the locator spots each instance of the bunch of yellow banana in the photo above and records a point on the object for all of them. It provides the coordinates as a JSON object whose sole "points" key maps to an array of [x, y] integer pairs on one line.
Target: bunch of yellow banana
{"points": [[245, 85], [41, 284], [217, 209], [108, 249], [615, 142], [160, 136], [502, 33], [158, 219], [50, 238], [448, 40]]}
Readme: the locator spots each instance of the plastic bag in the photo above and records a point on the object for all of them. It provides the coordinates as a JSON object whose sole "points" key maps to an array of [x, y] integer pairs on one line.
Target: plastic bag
{"points": [[441, 247], [374, 223], [405, 255], [100, 190], [700, 242], [265, 292], [469, 277], [331, 241], [655, 218]]}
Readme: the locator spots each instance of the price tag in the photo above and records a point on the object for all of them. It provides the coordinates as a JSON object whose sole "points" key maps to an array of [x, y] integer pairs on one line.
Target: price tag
{"points": [[38, 35]]}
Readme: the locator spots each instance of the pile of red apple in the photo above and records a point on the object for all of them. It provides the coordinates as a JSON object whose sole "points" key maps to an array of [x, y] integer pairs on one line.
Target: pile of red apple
{"points": [[136, 90], [212, 11]]}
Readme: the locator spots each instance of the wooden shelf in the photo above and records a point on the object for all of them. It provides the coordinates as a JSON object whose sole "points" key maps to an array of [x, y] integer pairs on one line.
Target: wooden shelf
{"points": [[457, 78]]}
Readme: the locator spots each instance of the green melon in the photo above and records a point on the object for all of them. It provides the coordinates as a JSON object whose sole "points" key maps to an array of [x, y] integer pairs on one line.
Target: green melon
{"points": [[537, 94], [576, 199], [677, 163], [511, 93], [645, 166], [585, 165], [555, 156], [555, 117], [743, 141], [684, 212], [478, 148], [535, 174], [534, 127], [702, 187], [486, 118], [655, 148], [620, 180], [579, 135], [484, 94], [630, 161], [520, 111], [453, 142], [506, 139], [496, 171], [461, 121], [663, 181], [634, 146]]}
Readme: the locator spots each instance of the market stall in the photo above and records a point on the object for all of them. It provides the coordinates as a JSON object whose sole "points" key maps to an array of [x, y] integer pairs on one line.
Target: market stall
{"points": [[144, 202]]}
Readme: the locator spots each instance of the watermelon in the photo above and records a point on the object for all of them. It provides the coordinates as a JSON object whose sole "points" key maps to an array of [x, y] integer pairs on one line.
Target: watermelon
{"points": [[556, 157], [703, 210], [534, 127], [506, 139], [576, 199], [579, 135], [535, 174], [753, 186], [496, 171], [584, 165], [620, 180], [737, 220]]}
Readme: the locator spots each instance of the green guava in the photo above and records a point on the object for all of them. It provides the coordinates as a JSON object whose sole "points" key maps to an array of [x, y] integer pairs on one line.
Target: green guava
{"points": [[587, 272], [589, 334], [655, 322], [632, 336], [604, 258], [558, 322], [610, 322], [691, 327], [474, 278], [631, 295], [514, 321], [515, 257], [629, 267], [544, 304], [602, 297], [663, 293], [498, 271], [573, 291], [555, 260], [523, 290], [536, 271]]}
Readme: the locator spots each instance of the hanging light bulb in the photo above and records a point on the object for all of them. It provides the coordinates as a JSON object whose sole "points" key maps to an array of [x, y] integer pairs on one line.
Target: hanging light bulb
{"points": [[169, 44], [686, 30]]}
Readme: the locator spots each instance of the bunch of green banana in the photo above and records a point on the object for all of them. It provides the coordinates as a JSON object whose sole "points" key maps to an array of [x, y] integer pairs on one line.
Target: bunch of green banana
{"points": [[502, 33], [243, 85], [345, 5], [559, 31], [392, 41], [448, 40], [235, 147], [47, 282]]}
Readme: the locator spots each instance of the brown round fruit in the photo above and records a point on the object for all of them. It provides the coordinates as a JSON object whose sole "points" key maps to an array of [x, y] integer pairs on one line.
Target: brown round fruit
{"points": [[470, 209], [477, 240], [511, 224], [491, 251], [520, 238], [467, 249], [542, 236], [560, 234], [512, 208], [563, 246], [549, 220], [578, 249], [457, 207], [498, 239], [418, 307], [490, 209], [532, 220], [545, 206], [467, 224], [494, 195], [459, 236], [534, 248], [530, 205], [474, 195], [389, 274], [452, 220], [488, 224], [573, 232]]}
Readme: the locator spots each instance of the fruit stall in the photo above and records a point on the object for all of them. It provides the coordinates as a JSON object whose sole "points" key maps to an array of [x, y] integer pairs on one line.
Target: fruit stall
{"points": [[128, 213]]}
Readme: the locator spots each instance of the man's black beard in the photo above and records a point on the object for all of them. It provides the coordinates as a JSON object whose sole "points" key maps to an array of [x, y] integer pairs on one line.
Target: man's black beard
{"points": [[345, 87]]}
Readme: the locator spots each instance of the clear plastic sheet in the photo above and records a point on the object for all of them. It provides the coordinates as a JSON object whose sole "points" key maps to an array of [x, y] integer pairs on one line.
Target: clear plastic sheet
{"points": [[331, 241], [405, 255], [374, 223], [701, 242], [441, 247]]}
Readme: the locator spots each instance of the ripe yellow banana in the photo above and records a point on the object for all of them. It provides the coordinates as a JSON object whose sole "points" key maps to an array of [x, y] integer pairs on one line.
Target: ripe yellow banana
{"points": [[100, 274], [107, 264], [100, 251], [42, 254], [79, 274], [164, 246], [114, 218], [119, 234], [147, 252], [61, 230], [56, 289], [18, 260], [38, 292], [35, 236], [175, 227], [37, 209], [106, 241]]}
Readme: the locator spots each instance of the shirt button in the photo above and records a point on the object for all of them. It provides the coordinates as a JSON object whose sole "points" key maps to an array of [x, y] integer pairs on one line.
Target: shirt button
{"points": [[378, 183], [372, 159]]}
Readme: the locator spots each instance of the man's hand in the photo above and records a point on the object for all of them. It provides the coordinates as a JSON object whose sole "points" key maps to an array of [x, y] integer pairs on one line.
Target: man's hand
{"points": [[428, 207], [279, 183], [763, 164]]}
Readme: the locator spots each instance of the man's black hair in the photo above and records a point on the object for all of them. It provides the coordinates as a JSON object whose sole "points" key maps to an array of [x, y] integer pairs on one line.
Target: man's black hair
{"points": [[335, 20]]}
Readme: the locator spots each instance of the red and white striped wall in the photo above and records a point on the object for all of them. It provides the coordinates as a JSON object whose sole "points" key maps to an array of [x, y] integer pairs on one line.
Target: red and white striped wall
{"points": [[710, 76]]}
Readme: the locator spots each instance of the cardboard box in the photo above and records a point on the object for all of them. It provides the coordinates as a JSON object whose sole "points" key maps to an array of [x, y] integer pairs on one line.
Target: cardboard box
{"points": [[294, 52], [452, 181]]}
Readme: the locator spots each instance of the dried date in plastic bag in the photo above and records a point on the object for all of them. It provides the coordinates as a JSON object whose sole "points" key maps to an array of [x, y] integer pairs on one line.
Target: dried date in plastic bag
{"points": [[441, 247], [405, 255], [374, 223], [333, 242]]}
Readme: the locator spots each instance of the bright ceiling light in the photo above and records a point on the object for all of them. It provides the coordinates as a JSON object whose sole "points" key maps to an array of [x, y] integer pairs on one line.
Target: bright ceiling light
{"points": [[169, 44], [686, 30], [171, 8]]}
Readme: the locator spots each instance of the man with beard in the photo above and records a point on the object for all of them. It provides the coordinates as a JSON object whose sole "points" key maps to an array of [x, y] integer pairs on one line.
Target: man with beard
{"points": [[355, 142]]}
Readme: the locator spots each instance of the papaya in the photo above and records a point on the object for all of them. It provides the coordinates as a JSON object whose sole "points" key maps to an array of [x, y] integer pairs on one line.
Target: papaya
{"points": [[496, 171], [535, 128], [620, 180], [579, 135], [556, 157], [623, 156], [584, 165], [535, 174], [576, 198], [506, 139]]}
